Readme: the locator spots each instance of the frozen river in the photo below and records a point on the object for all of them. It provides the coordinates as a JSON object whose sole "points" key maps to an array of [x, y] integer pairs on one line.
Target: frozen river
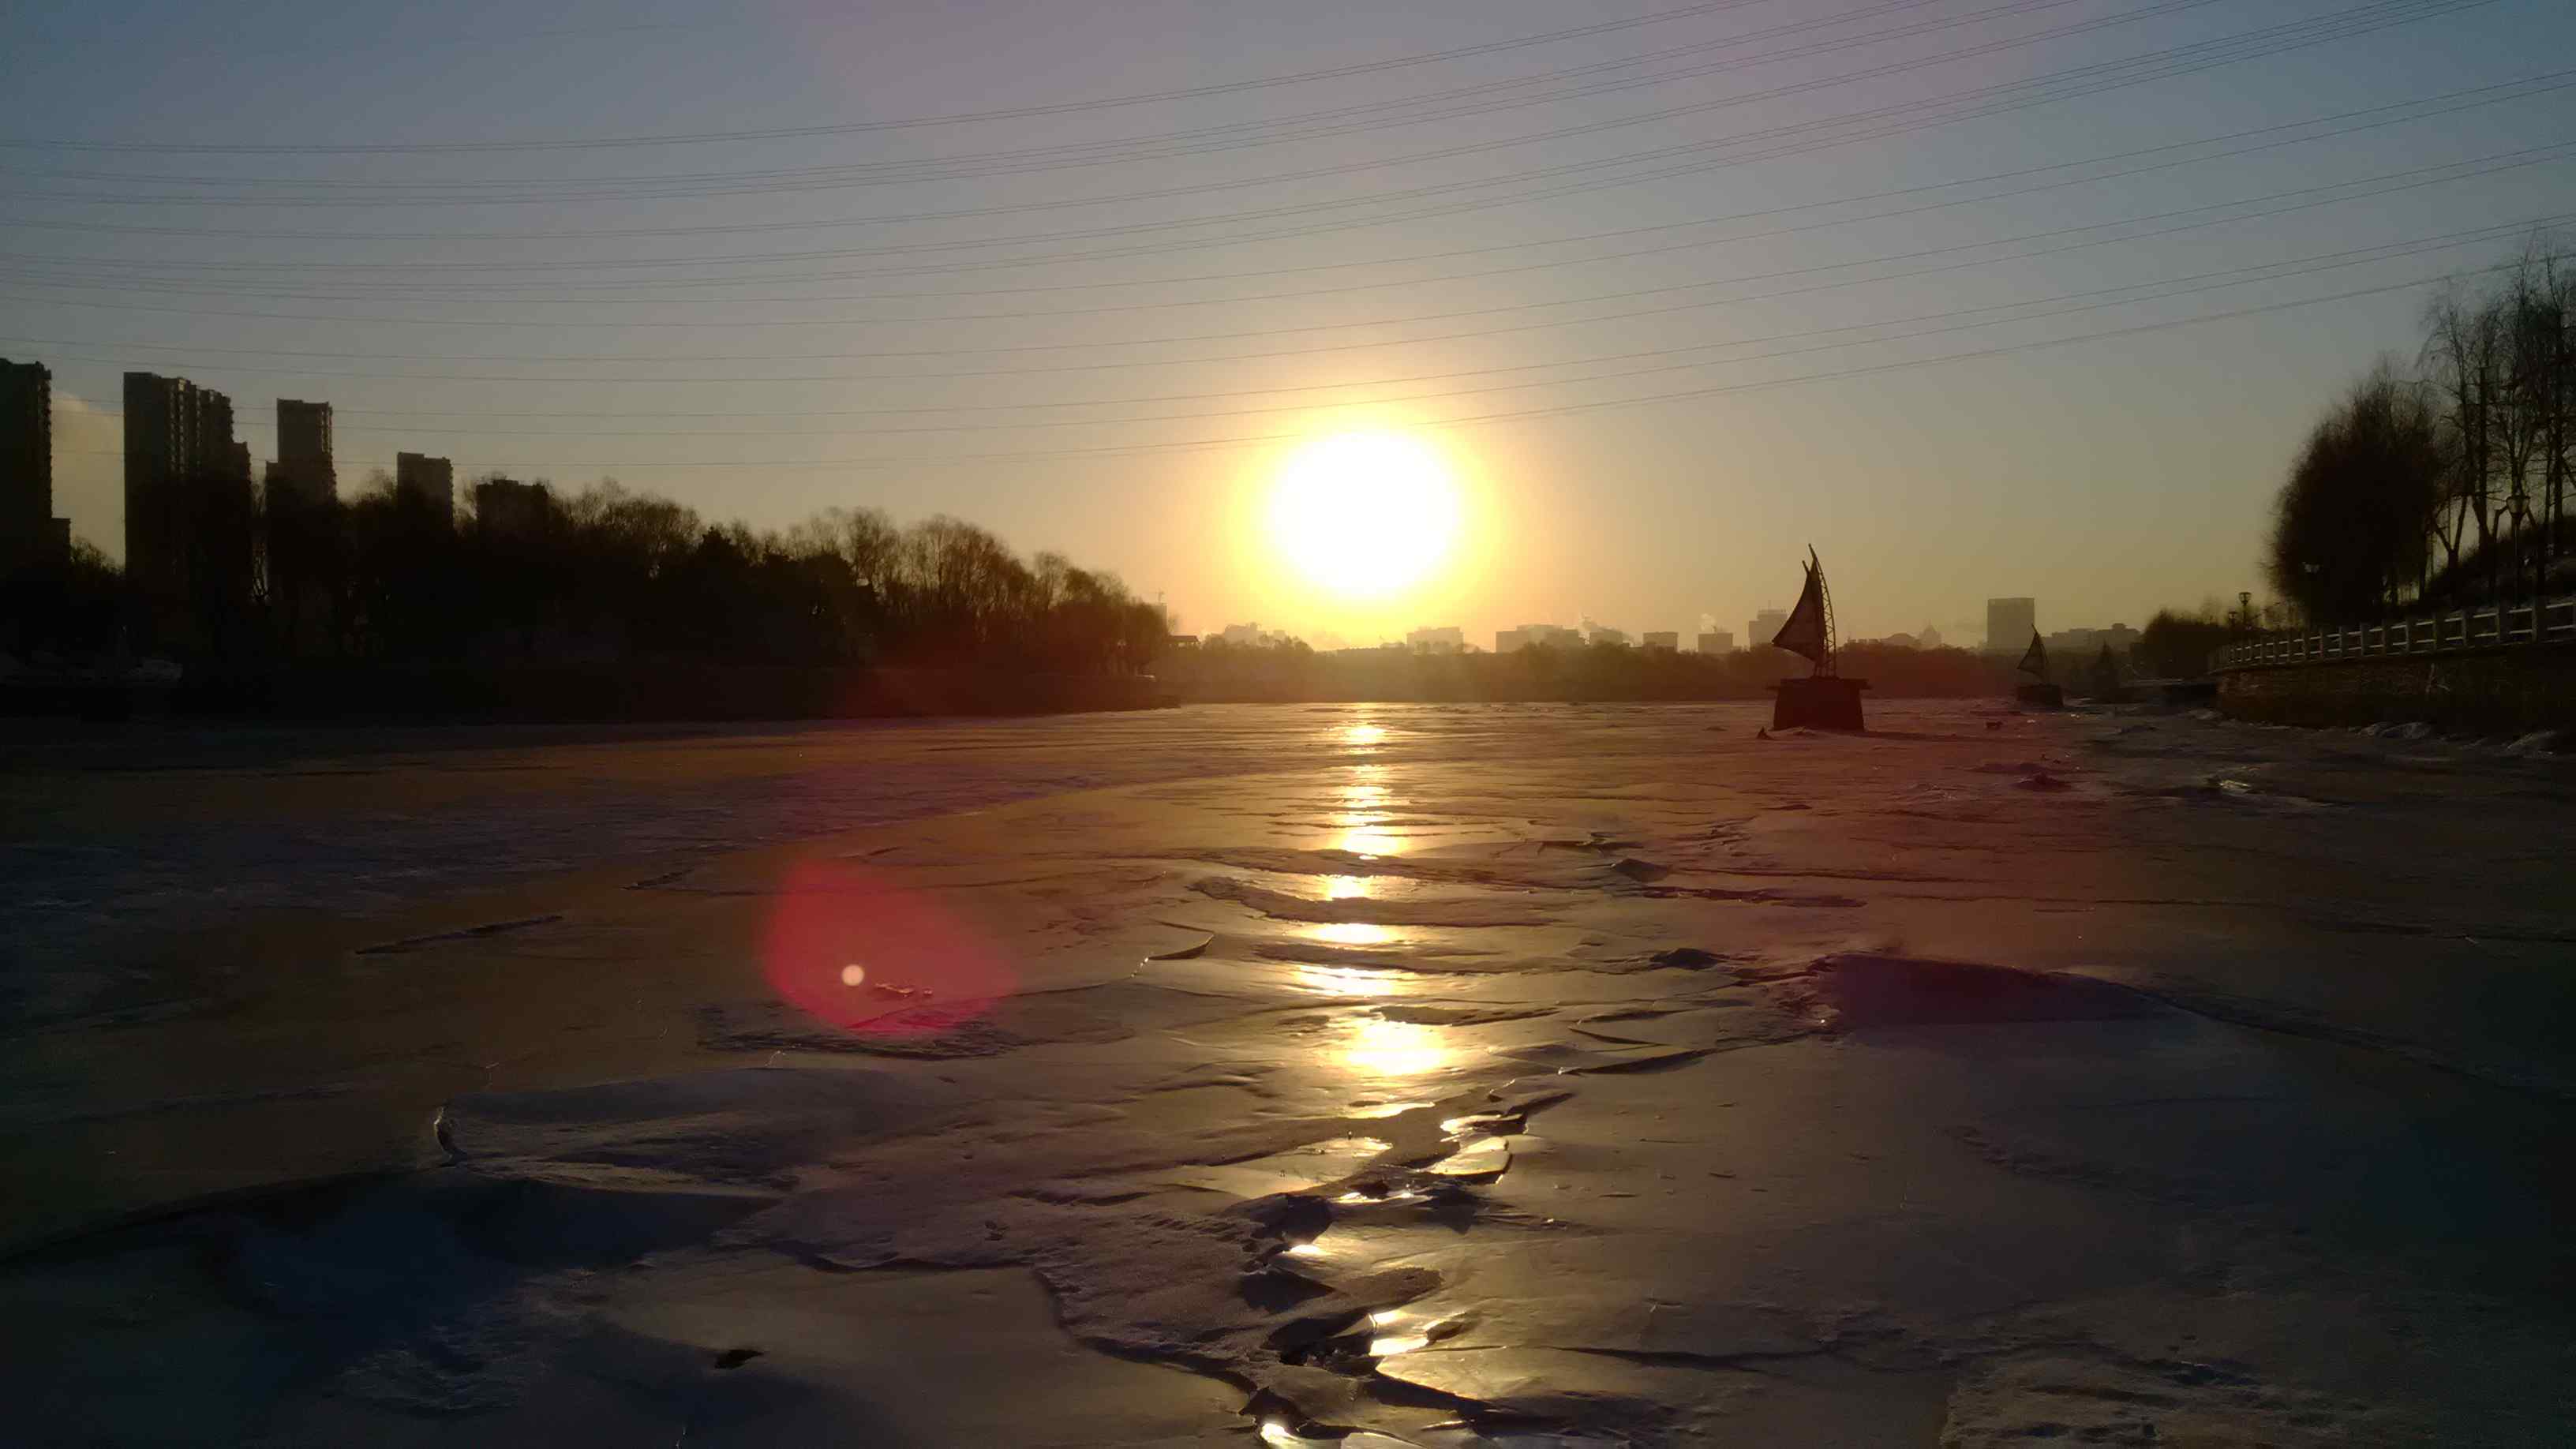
{"points": [[1381, 1075]]}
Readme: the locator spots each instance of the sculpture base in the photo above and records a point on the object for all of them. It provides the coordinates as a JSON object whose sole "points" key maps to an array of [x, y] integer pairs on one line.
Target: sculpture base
{"points": [[1822, 702], [2039, 696]]}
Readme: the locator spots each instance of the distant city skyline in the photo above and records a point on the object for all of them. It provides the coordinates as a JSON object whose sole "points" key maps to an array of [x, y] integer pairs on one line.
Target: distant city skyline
{"points": [[183, 427]]}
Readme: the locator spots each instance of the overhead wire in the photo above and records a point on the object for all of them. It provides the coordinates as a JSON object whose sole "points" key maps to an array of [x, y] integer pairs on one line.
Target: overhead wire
{"points": [[1028, 261], [2358, 19], [156, 285], [852, 128], [1235, 135], [2347, 190], [1514, 414], [2125, 294]]}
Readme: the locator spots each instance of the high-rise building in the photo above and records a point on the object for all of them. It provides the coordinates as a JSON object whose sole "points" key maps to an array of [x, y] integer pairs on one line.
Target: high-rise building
{"points": [[1661, 639], [187, 492], [1716, 641], [304, 450], [1604, 634], [29, 532], [2010, 623], [509, 508], [426, 480], [1444, 639], [1764, 627], [1508, 641]]}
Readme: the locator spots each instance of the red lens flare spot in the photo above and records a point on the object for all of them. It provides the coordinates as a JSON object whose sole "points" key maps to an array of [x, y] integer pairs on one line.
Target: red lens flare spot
{"points": [[855, 951]]}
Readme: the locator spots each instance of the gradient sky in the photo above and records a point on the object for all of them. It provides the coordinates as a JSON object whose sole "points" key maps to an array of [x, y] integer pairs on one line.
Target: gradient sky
{"points": [[767, 325]]}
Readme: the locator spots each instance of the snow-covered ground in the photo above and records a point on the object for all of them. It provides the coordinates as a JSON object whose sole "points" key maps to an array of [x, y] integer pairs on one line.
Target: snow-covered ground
{"points": [[1544, 1075]]}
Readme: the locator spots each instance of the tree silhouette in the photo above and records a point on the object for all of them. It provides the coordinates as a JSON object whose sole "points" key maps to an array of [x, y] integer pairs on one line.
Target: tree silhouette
{"points": [[2352, 524]]}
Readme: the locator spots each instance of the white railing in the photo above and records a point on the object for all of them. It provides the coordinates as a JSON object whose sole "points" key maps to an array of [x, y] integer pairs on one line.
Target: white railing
{"points": [[2549, 621]]}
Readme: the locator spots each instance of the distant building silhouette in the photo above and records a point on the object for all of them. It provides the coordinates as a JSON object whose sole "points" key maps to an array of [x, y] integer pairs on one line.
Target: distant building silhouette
{"points": [[303, 465], [1250, 636], [509, 508], [2071, 643], [1604, 634], [29, 532], [1662, 639], [1930, 638], [427, 480], [1507, 641], [2009, 625], [187, 499], [1764, 627], [1447, 639], [1716, 641]]}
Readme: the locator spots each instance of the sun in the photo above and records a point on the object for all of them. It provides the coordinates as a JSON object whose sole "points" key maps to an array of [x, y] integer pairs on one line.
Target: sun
{"points": [[1364, 514]]}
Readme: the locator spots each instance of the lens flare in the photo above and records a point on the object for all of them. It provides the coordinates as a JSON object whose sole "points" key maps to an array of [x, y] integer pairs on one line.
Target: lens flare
{"points": [[861, 954]]}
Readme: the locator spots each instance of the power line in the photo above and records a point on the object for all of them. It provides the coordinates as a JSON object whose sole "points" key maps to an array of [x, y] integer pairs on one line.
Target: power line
{"points": [[1232, 136], [2527, 86], [852, 128], [2351, 190], [1442, 210], [2360, 19], [130, 285], [2158, 290], [1505, 415], [1201, 141], [2530, 85]]}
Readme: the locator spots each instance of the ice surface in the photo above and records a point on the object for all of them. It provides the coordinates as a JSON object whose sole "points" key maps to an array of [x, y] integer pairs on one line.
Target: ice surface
{"points": [[1366, 1076]]}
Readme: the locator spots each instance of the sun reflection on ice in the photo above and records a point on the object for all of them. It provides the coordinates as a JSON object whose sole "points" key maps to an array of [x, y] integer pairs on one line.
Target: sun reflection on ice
{"points": [[1342, 981], [1354, 933], [1362, 817], [1364, 839], [1395, 1048]]}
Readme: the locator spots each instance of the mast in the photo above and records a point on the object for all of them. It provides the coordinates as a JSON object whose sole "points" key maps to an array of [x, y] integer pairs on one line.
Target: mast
{"points": [[1825, 597]]}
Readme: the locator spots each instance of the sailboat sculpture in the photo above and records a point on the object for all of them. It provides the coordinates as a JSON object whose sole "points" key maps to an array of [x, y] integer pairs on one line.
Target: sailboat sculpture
{"points": [[1824, 699], [2037, 692]]}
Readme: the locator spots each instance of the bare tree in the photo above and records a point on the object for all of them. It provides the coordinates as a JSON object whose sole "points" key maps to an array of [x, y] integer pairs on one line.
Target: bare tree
{"points": [[2464, 363]]}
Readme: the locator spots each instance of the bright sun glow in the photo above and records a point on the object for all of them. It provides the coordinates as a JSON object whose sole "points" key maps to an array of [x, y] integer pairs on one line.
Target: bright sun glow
{"points": [[1364, 514]]}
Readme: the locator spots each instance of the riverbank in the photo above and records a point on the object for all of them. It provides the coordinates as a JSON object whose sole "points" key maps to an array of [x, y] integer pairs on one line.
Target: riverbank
{"points": [[2512, 690]]}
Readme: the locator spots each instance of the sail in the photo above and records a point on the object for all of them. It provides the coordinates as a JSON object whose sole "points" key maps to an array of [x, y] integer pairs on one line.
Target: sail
{"points": [[2034, 660], [1805, 632]]}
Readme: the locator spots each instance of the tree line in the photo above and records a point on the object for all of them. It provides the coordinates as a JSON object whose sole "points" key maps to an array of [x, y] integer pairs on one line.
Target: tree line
{"points": [[2445, 482], [602, 574]]}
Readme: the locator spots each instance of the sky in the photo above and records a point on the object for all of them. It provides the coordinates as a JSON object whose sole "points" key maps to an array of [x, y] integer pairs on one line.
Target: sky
{"points": [[1977, 297]]}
